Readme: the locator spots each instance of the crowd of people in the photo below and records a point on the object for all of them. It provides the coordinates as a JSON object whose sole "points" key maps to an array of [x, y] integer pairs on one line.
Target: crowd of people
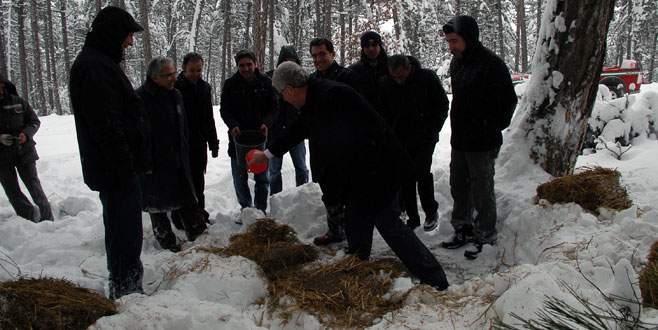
{"points": [[371, 128]]}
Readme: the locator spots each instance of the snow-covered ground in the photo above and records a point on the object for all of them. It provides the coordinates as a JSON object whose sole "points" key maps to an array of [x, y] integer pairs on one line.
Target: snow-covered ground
{"points": [[539, 246]]}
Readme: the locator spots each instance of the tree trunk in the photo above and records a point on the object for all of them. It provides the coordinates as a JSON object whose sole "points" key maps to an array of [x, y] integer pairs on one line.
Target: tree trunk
{"points": [[522, 34], [22, 54], [568, 61], [539, 16], [652, 60], [271, 18], [99, 5], [65, 39], [629, 24], [54, 81], [328, 5], [3, 55], [38, 68], [146, 34], [194, 28], [259, 22], [342, 31], [501, 34], [171, 33], [226, 55], [318, 19], [247, 26]]}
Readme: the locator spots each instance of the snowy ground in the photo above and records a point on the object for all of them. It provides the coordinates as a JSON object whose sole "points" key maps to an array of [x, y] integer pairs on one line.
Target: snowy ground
{"points": [[539, 246]]}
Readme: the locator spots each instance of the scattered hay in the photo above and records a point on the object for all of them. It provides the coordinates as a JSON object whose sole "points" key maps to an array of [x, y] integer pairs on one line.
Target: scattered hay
{"points": [[595, 187], [649, 278], [347, 293], [48, 303]]}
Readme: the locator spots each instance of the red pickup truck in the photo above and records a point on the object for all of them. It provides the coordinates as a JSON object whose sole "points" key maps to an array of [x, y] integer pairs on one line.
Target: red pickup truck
{"points": [[623, 79]]}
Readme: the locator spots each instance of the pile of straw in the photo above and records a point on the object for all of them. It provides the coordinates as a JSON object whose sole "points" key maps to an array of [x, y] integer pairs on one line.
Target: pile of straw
{"points": [[649, 278]]}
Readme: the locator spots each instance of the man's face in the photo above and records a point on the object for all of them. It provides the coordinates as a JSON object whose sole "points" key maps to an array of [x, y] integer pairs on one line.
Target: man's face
{"points": [[192, 70], [246, 67], [322, 58], [372, 49], [166, 78], [456, 44], [400, 75], [128, 41]]}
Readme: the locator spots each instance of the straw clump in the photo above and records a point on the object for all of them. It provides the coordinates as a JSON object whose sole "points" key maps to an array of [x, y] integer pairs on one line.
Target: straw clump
{"points": [[591, 189], [48, 303], [649, 278], [346, 293]]}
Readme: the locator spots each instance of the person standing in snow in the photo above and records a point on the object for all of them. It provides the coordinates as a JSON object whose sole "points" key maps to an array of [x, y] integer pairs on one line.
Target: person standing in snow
{"points": [[112, 137], [169, 187], [197, 98], [371, 68], [483, 101], [285, 116], [248, 102], [356, 147], [415, 105], [323, 54], [18, 124]]}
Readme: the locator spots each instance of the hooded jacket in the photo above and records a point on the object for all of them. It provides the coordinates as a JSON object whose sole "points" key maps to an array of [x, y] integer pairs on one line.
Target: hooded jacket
{"points": [[16, 116], [483, 97], [109, 119]]}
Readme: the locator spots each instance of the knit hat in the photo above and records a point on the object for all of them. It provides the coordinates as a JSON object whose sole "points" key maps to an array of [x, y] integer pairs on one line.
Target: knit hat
{"points": [[287, 53], [370, 35]]}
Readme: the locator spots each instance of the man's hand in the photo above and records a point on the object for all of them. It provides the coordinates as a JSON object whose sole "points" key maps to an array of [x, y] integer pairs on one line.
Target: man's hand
{"points": [[258, 157], [214, 153], [264, 129], [22, 138], [235, 131]]}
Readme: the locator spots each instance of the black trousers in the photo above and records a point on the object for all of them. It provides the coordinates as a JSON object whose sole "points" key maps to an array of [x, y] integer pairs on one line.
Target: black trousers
{"points": [[199, 182], [422, 158], [18, 200], [402, 240], [122, 217]]}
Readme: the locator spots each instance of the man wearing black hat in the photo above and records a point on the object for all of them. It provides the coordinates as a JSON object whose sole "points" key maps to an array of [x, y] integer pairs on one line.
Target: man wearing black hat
{"points": [[248, 103], [483, 101], [112, 137], [285, 116], [367, 72]]}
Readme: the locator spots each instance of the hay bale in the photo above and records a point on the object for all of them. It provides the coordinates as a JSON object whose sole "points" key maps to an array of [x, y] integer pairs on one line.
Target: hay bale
{"points": [[348, 293], [591, 189], [649, 278], [48, 303]]}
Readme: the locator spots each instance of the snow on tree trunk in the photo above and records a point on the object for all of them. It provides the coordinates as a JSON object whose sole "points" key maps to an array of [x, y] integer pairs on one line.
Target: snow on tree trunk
{"points": [[565, 75], [191, 38], [146, 34], [41, 105], [22, 53], [3, 64], [54, 81], [65, 38]]}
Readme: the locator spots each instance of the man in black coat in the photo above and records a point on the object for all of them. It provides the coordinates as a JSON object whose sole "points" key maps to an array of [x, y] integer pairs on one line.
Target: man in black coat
{"points": [[358, 150], [169, 187], [18, 124], [112, 137], [415, 105], [323, 54], [483, 101], [248, 103], [285, 116], [197, 97], [371, 68]]}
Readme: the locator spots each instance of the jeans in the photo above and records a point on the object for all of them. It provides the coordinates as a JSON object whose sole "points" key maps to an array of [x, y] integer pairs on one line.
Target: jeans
{"points": [[241, 184], [122, 217], [298, 156], [402, 240], [472, 188], [20, 203]]}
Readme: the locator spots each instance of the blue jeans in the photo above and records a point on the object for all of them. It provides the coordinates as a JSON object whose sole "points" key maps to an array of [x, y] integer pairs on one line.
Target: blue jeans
{"points": [[298, 156], [241, 184]]}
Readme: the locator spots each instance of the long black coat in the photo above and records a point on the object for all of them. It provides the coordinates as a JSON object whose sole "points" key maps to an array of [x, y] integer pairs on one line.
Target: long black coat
{"points": [[357, 156], [169, 185], [417, 109], [483, 97], [197, 98], [109, 119], [247, 104], [16, 116]]}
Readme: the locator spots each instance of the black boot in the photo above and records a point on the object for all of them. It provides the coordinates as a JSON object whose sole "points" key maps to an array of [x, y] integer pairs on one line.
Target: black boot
{"points": [[163, 233], [413, 223], [472, 254], [336, 226], [462, 236]]}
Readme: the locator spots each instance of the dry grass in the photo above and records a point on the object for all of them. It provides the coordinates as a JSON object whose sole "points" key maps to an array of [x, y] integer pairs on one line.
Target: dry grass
{"points": [[593, 188], [48, 303], [347, 293], [649, 278]]}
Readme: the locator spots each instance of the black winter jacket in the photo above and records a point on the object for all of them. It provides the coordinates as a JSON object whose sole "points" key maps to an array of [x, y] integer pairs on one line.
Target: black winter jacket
{"points": [[365, 77], [197, 98], [335, 72], [483, 97], [247, 104], [109, 119], [416, 109], [357, 157], [285, 115], [16, 116], [169, 185]]}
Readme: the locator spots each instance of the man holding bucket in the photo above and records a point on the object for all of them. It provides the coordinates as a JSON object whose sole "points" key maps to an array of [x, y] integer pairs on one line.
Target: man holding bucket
{"points": [[247, 104]]}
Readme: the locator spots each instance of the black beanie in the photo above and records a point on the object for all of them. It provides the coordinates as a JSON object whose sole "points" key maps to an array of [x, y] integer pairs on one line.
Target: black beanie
{"points": [[370, 35], [288, 53]]}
